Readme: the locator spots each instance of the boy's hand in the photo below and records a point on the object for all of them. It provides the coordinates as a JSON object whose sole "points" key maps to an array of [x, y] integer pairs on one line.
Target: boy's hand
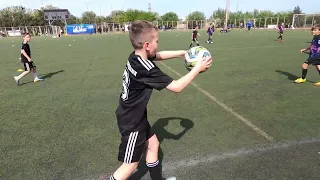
{"points": [[203, 64], [302, 50], [29, 60]]}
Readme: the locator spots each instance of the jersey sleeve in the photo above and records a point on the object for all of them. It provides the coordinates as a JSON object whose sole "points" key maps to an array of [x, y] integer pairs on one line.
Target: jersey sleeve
{"points": [[23, 46], [157, 79]]}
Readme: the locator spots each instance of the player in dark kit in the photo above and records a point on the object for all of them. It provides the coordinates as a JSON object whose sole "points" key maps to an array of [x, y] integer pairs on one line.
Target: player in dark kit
{"points": [[314, 55], [194, 37], [281, 29], [140, 77], [26, 60]]}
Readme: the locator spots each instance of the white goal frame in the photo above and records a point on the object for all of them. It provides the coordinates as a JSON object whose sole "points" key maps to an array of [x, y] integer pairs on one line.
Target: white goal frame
{"points": [[311, 17]]}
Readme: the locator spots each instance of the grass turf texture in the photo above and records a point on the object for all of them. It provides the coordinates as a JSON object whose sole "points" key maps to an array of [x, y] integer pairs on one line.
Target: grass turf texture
{"points": [[65, 127]]}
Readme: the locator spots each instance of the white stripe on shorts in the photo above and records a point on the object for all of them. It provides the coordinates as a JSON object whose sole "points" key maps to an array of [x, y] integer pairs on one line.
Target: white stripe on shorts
{"points": [[27, 66], [130, 147]]}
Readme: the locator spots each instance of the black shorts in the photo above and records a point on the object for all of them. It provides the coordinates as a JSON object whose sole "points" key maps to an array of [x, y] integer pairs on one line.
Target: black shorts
{"points": [[195, 40], [133, 144], [28, 66], [313, 60]]}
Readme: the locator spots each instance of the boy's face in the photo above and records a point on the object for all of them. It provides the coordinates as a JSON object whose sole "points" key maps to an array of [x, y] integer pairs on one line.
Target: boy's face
{"points": [[315, 31], [152, 46], [27, 38]]}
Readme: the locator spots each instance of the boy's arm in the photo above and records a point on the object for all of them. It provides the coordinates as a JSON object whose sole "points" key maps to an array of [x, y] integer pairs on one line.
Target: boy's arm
{"points": [[156, 79], [25, 55], [306, 49], [178, 85], [163, 55]]}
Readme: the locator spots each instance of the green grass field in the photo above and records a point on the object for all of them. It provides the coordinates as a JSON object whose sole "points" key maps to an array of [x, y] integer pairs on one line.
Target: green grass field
{"points": [[250, 121]]}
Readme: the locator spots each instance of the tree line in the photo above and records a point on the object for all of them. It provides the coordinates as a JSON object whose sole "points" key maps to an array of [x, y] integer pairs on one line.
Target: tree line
{"points": [[20, 16]]}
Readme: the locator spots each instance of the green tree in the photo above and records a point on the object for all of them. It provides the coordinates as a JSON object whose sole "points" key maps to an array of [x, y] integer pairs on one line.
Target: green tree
{"points": [[88, 17], [196, 16], [170, 16]]}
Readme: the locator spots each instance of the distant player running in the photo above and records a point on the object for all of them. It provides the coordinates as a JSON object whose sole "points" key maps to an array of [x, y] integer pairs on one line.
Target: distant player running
{"points": [[194, 37], [314, 56], [26, 60], [249, 25], [210, 32], [281, 29]]}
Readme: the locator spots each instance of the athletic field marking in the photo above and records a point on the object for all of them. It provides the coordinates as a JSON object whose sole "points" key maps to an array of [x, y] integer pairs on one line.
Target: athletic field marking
{"points": [[244, 120], [254, 47], [171, 166]]}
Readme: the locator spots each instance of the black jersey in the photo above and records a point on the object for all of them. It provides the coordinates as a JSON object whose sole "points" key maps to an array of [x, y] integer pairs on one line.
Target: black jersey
{"points": [[140, 77], [194, 34], [26, 48]]}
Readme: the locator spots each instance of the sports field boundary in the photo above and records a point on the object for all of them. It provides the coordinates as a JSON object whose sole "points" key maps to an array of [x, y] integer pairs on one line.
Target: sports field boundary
{"points": [[255, 47], [259, 149], [170, 166], [225, 107]]}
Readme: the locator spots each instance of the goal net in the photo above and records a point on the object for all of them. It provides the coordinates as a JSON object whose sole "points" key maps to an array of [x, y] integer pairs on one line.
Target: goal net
{"points": [[305, 20]]}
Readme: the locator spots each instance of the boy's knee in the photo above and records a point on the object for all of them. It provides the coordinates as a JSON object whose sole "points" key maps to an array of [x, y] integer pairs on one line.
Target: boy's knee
{"points": [[305, 65], [153, 143]]}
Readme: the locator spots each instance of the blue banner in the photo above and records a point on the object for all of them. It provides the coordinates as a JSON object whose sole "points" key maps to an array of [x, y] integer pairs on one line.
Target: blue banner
{"points": [[81, 29]]}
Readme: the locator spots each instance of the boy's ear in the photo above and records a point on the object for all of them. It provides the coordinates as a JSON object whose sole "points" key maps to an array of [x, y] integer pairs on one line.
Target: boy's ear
{"points": [[146, 45]]}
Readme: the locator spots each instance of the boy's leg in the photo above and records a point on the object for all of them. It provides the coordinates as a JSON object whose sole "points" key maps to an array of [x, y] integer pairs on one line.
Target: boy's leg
{"points": [[26, 72], [191, 44], [130, 151], [34, 72], [152, 158], [196, 40], [318, 69], [124, 171], [304, 72]]}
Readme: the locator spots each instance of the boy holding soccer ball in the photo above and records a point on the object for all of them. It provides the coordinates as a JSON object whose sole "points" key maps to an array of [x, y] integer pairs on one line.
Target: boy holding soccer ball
{"points": [[140, 77]]}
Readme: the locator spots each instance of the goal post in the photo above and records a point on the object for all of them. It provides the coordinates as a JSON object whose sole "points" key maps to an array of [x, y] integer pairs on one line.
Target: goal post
{"points": [[305, 20]]}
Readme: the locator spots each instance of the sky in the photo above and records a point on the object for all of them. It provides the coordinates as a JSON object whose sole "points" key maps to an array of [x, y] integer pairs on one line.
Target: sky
{"points": [[181, 7]]}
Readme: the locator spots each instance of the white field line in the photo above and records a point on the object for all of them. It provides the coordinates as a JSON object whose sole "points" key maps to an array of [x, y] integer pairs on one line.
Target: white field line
{"points": [[225, 107]]}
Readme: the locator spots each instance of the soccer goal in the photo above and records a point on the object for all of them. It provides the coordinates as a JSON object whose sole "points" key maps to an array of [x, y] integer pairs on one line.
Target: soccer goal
{"points": [[305, 20]]}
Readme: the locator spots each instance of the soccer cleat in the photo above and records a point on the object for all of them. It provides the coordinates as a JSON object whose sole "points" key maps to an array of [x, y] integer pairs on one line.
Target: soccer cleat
{"points": [[17, 80], [37, 80], [317, 84], [300, 80]]}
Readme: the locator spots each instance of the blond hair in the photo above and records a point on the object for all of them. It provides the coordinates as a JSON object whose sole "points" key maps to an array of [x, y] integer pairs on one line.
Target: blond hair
{"points": [[140, 32]]}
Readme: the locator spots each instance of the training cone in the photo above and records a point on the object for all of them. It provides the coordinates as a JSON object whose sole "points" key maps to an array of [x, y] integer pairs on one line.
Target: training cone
{"points": [[20, 70]]}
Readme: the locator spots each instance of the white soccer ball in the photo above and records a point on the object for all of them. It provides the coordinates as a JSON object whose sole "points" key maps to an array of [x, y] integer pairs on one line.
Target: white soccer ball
{"points": [[193, 54]]}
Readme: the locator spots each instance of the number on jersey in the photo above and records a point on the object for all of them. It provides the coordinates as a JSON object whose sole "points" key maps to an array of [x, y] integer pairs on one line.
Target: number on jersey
{"points": [[125, 85]]}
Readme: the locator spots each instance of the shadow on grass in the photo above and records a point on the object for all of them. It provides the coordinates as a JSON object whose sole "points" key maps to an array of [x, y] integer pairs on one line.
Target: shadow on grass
{"points": [[44, 76], [162, 134], [49, 75], [290, 76]]}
